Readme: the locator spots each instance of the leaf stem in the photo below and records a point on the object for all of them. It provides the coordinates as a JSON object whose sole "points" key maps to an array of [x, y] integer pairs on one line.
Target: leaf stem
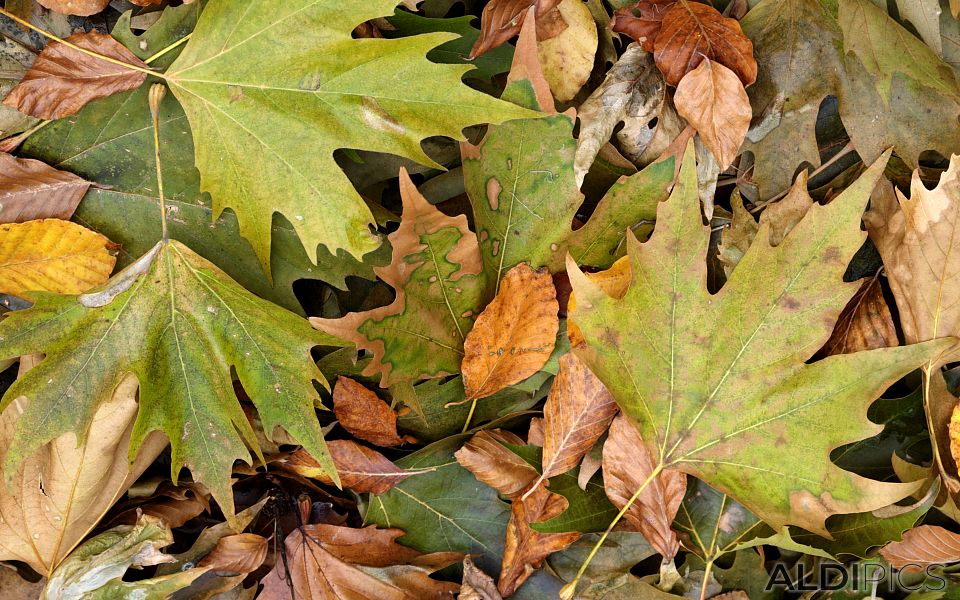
{"points": [[833, 159], [566, 593], [157, 92], [73, 46], [473, 407], [172, 46]]}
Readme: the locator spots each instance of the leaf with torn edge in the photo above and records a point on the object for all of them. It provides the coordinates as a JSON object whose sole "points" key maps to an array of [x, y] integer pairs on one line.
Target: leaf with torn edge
{"points": [[30, 189]]}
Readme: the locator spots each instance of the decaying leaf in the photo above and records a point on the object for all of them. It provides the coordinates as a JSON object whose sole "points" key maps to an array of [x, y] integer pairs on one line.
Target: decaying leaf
{"points": [[437, 273], [360, 469], [864, 324], [642, 20], [365, 415], [495, 465], [709, 417], [514, 335], [241, 553], [80, 8], [922, 546], [477, 585], [526, 548], [50, 255], [30, 189], [63, 80], [627, 464], [502, 19], [712, 99], [567, 58]]}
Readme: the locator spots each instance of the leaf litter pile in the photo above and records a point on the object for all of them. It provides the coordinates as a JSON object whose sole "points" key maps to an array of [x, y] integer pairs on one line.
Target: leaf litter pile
{"points": [[423, 299]]}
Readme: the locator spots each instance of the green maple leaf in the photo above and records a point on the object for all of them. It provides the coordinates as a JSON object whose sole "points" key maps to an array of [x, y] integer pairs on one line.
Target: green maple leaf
{"points": [[272, 89], [180, 325], [718, 384]]}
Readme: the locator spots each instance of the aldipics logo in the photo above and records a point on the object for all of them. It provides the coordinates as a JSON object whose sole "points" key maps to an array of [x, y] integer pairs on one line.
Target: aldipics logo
{"points": [[874, 577]]}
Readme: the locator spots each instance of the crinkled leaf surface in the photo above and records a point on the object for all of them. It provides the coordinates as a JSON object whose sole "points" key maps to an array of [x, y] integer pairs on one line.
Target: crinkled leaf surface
{"points": [[272, 90], [180, 325], [718, 384]]}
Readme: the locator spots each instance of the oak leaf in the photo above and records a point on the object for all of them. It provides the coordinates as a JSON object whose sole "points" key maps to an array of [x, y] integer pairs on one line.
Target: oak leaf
{"points": [[495, 465], [437, 273], [923, 546], [365, 415], [514, 335], [50, 255], [360, 469], [30, 189], [710, 416], [63, 80]]}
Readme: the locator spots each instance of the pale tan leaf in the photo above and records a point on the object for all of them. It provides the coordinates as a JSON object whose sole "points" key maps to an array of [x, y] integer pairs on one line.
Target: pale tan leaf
{"points": [[242, 553], [591, 463], [567, 58], [514, 335], [864, 324], [80, 8], [495, 465], [924, 15], [30, 189], [922, 546], [627, 464], [15, 587], [712, 99], [63, 80], [364, 414], [361, 469], [477, 585]]}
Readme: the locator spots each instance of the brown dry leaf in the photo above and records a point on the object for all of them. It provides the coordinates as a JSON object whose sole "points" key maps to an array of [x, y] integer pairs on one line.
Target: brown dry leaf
{"points": [[57, 497], [63, 80], [30, 189], [242, 553], [690, 32], [327, 562], [525, 548], [614, 281], [786, 213], [864, 324], [364, 414], [627, 464], [493, 464], [535, 433], [50, 255], [641, 21], [477, 585], [578, 411], [502, 19], [922, 546], [591, 463], [514, 335], [17, 588], [175, 504], [712, 99], [361, 469], [79, 8], [567, 58]]}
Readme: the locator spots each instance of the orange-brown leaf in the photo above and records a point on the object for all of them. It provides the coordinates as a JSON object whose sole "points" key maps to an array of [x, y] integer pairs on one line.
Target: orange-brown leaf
{"points": [[242, 553], [30, 190], [864, 324], [79, 8], [514, 335], [63, 80], [525, 548], [690, 32], [641, 21], [922, 546], [627, 464], [364, 414], [495, 465], [361, 469], [502, 19]]}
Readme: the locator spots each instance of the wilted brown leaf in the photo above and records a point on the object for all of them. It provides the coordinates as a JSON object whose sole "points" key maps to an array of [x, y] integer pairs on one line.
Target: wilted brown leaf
{"points": [[526, 548], [690, 32], [578, 411], [361, 469], [242, 553], [922, 546], [30, 189], [477, 585], [80, 8], [535, 432], [514, 335], [712, 99], [502, 19], [175, 504], [63, 80], [642, 20], [864, 324], [364, 414], [627, 464], [493, 464]]}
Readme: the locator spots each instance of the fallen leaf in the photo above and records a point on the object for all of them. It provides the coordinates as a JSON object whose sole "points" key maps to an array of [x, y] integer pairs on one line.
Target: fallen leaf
{"points": [[476, 584], [514, 335], [437, 273], [627, 465], [614, 282], [923, 546], [864, 324], [241, 553], [502, 19], [567, 58], [578, 411], [50, 255], [493, 464], [360, 469], [30, 189], [80, 8], [642, 20], [535, 433], [924, 15], [691, 32], [712, 99], [63, 80], [365, 415], [526, 548], [176, 505], [17, 588]]}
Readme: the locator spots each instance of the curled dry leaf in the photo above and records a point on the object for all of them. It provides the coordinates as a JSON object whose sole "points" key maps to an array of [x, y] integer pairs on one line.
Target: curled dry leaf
{"points": [[525, 548], [477, 585], [361, 469], [63, 80], [80, 8], [627, 464], [712, 99], [502, 19], [242, 553], [578, 411], [641, 21], [50, 255], [30, 189], [922, 546], [514, 335], [864, 324], [567, 58], [175, 505], [493, 464], [364, 414]]}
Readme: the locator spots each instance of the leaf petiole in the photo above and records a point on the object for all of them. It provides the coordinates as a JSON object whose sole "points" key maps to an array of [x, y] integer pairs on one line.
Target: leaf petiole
{"points": [[157, 92]]}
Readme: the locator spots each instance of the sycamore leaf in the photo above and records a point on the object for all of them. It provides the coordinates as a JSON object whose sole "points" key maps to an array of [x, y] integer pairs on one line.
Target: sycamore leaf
{"points": [[260, 128], [493, 464], [515, 334], [712, 524], [360, 469], [30, 189], [180, 325], [864, 324], [704, 397], [63, 80], [437, 273], [50, 255], [363, 414]]}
